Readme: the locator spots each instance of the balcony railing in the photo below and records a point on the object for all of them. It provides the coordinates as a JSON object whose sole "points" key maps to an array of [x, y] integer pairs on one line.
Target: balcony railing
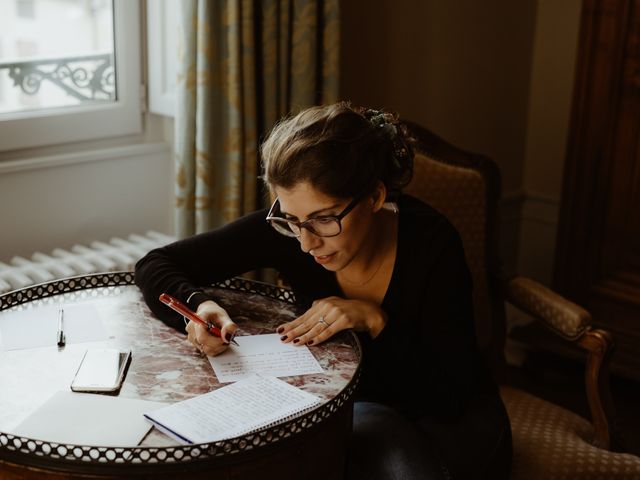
{"points": [[86, 77]]}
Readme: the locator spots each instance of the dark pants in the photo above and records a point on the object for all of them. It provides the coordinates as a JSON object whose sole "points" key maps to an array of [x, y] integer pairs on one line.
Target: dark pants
{"points": [[385, 445]]}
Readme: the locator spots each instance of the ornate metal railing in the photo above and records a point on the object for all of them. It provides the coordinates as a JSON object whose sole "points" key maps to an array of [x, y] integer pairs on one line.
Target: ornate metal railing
{"points": [[86, 77]]}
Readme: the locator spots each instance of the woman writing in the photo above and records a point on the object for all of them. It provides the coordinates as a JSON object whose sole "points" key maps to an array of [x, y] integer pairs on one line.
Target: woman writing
{"points": [[394, 273]]}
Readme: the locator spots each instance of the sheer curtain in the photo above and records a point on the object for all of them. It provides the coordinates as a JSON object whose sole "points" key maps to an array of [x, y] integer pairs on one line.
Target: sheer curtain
{"points": [[242, 65]]}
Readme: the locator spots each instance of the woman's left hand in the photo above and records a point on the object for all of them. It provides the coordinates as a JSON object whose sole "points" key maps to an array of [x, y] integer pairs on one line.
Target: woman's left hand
{"points": [[330, 315]]}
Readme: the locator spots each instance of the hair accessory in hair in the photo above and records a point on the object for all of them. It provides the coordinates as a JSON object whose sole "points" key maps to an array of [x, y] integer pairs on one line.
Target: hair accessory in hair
{"points": [[387, 122], [379, 118], [383, 120]]}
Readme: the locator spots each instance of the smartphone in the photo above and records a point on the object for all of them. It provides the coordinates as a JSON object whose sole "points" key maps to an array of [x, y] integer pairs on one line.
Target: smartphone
{"points": [[101, 370]]}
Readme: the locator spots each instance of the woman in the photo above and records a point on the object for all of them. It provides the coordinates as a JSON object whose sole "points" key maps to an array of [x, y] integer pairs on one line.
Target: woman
{"points": [[395, 273]]}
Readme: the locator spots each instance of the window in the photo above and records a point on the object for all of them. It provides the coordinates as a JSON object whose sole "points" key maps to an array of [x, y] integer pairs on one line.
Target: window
{"points": [[69, 71], [60, 58]]}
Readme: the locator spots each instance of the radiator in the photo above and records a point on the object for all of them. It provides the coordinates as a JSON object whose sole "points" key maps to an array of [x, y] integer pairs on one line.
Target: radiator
{"points": [[117, 254]]}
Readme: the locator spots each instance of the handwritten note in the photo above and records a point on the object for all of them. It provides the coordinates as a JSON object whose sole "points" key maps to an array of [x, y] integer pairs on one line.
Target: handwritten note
{"points": [[242, 407], [265, 355]]}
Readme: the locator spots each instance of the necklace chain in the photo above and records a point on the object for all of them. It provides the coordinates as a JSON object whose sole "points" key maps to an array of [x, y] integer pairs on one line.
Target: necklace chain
{"points": [[360, 284], [372, 276]]}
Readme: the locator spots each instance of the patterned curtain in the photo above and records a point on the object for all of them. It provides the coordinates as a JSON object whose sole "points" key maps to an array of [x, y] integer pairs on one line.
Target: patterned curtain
{"points": [[243, 64]]}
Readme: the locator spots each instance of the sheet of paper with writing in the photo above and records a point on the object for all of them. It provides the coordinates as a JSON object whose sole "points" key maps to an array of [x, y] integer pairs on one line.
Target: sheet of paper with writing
{"points": [[265, 355], [242, 407]]}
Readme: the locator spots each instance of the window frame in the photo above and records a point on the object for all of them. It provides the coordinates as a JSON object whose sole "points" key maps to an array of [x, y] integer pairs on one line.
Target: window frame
{"points": [[50, 126]]}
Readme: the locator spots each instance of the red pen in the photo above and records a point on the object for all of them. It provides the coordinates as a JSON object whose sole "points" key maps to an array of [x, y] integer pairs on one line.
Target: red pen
{"points": [[185, 311]]}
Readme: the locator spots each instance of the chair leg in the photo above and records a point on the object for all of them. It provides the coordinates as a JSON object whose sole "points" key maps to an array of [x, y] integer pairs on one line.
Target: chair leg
{"points": [[599, 345]]}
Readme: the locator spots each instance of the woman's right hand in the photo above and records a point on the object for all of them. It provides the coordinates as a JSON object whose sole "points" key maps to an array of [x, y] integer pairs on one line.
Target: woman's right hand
{"points": [[204, 341]]}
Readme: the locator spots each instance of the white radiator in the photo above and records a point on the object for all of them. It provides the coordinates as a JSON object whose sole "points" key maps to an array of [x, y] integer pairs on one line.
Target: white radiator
{"points": [[118, 254]]}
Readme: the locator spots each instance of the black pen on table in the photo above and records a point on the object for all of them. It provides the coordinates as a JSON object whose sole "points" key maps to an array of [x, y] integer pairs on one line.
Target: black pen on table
{"points": [[61, 337]]}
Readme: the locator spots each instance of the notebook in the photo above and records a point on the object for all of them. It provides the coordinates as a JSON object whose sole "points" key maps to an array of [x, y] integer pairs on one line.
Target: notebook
{"points": [[242, 407], [88, 419]]}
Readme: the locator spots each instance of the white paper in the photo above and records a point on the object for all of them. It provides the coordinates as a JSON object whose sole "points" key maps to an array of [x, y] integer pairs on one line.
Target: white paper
{"points": [[89, 419], [38, 327], [242, 407], [265, 355]]}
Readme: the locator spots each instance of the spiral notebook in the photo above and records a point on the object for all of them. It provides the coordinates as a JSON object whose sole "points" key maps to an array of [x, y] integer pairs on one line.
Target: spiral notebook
{"points": [[242, 407]]}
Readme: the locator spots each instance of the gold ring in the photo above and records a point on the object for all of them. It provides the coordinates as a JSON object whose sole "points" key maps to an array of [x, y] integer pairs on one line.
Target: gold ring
{"points": [[323, 321]]}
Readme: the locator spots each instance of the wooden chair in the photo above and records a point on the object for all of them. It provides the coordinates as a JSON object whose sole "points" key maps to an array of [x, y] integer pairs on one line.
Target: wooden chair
{"points": [[549, 441]]}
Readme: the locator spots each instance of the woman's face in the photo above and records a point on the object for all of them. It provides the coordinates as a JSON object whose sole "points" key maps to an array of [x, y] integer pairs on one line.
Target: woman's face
{"points": [[303, 202]]}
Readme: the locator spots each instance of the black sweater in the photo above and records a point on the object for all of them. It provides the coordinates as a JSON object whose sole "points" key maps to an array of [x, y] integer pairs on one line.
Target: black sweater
{"points": [[424, 362]]}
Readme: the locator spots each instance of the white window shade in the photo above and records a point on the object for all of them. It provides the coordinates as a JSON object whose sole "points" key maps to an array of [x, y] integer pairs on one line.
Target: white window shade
{"points": [[92, 120]]}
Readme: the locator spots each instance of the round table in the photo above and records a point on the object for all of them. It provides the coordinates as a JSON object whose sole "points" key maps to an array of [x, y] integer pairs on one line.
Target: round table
{"points": [[166, 368]]}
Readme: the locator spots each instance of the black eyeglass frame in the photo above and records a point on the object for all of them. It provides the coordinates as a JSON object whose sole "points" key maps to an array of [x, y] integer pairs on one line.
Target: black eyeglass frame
{"points": [[338, 218]]}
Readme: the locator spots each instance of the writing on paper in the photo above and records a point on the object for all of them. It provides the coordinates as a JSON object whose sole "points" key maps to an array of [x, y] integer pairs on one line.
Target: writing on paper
{"points": [[264, 355]]}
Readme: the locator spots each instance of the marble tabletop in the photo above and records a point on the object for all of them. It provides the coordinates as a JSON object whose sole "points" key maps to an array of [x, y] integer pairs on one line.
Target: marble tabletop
{"points": [[164, 366]]}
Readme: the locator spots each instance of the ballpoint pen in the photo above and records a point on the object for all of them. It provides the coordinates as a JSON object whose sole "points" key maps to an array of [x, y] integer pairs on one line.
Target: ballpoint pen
{"points": [[61, 336], [183, 310]]}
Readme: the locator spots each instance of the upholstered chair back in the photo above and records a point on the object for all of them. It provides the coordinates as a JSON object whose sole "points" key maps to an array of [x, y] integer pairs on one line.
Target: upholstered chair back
{"points": [[464, 193]]}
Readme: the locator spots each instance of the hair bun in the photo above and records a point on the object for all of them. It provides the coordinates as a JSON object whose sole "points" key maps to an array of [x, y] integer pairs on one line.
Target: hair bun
{"points": [[401, 169]]}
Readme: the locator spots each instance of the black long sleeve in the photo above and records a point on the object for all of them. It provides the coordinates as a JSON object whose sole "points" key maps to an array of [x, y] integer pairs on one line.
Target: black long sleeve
{"points": [[428, 343]]}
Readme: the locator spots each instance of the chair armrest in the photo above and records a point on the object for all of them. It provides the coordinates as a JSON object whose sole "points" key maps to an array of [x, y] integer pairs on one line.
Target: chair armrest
{"points": [[559, 314], [573, 323]]}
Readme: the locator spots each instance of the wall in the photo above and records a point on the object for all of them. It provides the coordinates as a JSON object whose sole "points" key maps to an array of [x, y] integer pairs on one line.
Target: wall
{"points": [[461, 67], [553, 72], [477, 74], [67, 199]]}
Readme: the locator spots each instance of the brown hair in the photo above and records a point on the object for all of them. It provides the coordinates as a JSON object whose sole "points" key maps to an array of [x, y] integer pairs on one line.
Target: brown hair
{"points": [[343, 151]]}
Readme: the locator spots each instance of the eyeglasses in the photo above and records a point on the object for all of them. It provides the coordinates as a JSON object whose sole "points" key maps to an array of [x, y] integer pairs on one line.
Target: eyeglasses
{"points": [[325, 226]]}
